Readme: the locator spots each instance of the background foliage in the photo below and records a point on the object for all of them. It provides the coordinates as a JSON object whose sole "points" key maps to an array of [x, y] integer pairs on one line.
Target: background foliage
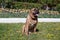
{"points": [[31, 3]]}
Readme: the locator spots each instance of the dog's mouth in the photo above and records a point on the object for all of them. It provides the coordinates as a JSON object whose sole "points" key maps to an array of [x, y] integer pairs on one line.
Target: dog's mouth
{"points": [[36, 14]]}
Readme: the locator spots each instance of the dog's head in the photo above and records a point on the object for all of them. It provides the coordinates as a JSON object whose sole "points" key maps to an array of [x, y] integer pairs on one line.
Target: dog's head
{"points": [[35, 12]]}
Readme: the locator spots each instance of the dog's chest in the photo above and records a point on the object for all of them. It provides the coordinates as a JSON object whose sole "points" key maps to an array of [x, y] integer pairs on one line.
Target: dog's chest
{"points": [[32, 23]]}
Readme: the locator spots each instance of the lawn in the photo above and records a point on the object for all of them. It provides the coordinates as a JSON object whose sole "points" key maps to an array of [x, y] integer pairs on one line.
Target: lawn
{"points": [[47, 31]]}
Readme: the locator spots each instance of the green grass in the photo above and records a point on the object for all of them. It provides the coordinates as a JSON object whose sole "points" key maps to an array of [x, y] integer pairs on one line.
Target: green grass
{"points": [[47, 31]]}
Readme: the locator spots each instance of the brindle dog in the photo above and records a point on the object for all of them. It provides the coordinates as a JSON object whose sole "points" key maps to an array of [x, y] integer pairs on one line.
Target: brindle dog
{"points": [[31, 21]]}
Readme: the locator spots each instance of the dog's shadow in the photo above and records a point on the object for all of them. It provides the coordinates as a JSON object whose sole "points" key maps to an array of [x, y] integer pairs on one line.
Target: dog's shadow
{"points": [[33, 30], [37, 30]]}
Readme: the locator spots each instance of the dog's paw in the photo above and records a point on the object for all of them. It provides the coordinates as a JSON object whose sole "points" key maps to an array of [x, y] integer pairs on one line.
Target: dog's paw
{"points": [[29, 32]]}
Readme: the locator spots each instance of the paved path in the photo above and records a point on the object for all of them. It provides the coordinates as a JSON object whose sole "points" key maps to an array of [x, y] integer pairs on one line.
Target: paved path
{"points": [[22, 20]]}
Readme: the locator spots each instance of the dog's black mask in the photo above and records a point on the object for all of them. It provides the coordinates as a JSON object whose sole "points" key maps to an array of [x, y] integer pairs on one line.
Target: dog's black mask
{"points": [[35, 11]]}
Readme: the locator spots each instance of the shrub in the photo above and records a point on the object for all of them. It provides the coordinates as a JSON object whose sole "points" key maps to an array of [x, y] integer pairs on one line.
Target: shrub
{"points": [[26, 5], [58, 7]]}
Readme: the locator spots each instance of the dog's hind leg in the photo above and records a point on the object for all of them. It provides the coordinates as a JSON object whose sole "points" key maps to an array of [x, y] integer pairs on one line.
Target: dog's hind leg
{"points": [[27, 30], [34, 28]]}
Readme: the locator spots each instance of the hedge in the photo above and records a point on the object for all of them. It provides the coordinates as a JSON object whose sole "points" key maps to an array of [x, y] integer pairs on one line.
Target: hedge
{"points": [[21, 5]]}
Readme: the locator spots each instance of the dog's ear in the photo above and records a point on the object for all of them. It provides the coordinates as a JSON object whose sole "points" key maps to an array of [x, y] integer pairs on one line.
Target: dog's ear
{"points": [[31, 14], [30, 11]]}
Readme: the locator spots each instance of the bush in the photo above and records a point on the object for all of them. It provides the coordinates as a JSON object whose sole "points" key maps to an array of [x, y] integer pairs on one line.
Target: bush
{"points": [[58, 7], [22, 5], [9, 5]]}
